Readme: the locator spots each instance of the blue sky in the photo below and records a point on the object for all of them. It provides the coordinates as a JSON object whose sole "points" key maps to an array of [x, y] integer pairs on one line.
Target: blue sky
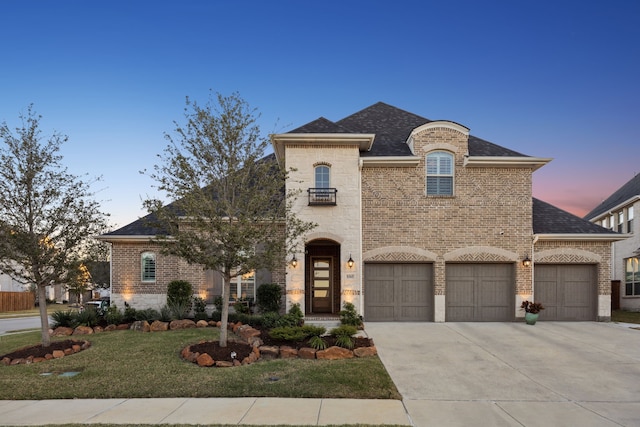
{"points": [[553, 79]]}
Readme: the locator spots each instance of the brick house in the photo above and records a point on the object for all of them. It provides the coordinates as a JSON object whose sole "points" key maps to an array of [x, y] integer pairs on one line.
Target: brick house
{"points": [[616, 214], [417, 221]]}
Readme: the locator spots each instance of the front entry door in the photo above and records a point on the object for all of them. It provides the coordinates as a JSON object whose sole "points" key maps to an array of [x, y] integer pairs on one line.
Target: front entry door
{"points": [[321, 285]]}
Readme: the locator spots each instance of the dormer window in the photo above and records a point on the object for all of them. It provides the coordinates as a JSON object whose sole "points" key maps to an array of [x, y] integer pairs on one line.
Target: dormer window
{"points": [[439, 174]]}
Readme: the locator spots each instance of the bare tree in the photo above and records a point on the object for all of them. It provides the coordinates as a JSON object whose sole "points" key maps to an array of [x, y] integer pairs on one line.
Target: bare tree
{"points": [[230, 202], [46, 213]]}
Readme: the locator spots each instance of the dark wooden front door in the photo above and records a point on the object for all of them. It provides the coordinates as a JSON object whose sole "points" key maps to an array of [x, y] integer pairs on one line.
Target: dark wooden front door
{"points": [[321, 284]]}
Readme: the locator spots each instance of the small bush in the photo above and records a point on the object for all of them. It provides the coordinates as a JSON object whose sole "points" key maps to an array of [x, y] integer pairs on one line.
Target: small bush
{"points": [[349, 316], [344, 330], [113, 316], [269, 297], [344, 341], [217, 302], [289, 333], [317, 343], [199, 309], [129, 314], [179, 309], [87, 317], [179, 294], [165, 313], [293, 318], [64, 318], [148, 314], [270, 319]]}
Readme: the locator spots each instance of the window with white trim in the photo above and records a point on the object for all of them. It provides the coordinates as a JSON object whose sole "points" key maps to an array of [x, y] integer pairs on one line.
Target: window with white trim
{"points": [[322, 176], [439, 174], [148, 264], [630, 219], [632, 277], [244, 286], [621, 221]]}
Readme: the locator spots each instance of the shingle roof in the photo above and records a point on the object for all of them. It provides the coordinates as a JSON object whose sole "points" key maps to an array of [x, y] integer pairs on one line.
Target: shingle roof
{"points": [[628, 191], [548, 219], [392, 127]]}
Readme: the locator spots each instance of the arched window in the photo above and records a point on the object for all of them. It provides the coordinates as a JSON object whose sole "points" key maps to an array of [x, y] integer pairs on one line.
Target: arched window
{"points": [[440, 174], [322, 176], [148, 263]]}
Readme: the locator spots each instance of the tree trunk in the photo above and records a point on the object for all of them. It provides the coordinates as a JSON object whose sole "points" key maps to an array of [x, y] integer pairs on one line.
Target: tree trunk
{"points": [[224, 319], [44, 317]]}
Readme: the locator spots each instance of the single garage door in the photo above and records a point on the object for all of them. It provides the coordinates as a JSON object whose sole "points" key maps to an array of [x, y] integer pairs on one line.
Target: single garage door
{"points": [[398, 292], [479, 293], [567, 291]]}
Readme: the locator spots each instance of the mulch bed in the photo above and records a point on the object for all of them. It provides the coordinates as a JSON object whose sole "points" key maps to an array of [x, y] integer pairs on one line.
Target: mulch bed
{"points": [[39, 351]]}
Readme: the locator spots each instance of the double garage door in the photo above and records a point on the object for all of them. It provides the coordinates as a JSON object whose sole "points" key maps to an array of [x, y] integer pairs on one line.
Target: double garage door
{"points": [[477, 292]]}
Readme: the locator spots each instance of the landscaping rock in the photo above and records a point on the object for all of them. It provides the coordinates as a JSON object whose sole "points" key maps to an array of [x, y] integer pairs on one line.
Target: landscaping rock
{"points": [[97, 329], [334, 353], [57, 354], [287, 352], [110, 328], [205, 360], [255, 341], [182, 324], [269, 351], [6, 361], [76, 348], [202, 324], [62, 331], [365, 351], [122, 327], [159, 326], [140, 326], [68, 351], [224, 364], [246, 332], [307, 353], [83, 330]]}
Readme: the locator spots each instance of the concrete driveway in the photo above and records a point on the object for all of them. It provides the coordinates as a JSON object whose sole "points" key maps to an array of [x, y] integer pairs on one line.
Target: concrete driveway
{"points": [[513, 374]]}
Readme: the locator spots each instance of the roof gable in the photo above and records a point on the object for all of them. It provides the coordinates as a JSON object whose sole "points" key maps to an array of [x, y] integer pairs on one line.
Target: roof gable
{"points": [[548, 219], [622, 195]]}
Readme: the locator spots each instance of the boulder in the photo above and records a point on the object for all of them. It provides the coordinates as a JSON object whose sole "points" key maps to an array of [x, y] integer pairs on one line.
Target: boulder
{"points": [[182, 324], [140, 326], [224, 364], [269, 351], [205, 360], [57, 354], [307, 353], [48, 356], [122, 327], [255, 341], [202, 324], [97, 329], [62, 331], [83, 330], [17, 361], [334, 353], [159, 326], [110, 328], [287, 352], [68, 351], [6, 361], [76, 348], [38, 359], [365, 351], [246, 332]]}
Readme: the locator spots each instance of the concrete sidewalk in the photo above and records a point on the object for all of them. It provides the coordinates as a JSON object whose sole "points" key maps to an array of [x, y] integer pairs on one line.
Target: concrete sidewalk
{"points": [[236, 411]]}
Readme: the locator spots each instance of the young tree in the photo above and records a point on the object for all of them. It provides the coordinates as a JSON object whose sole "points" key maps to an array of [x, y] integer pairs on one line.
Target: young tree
{"points": [[230, 203], [46, 213], [78, 280]]}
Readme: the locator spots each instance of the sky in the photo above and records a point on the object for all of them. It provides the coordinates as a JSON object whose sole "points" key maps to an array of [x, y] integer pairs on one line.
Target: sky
{"points": [[555, 79]]}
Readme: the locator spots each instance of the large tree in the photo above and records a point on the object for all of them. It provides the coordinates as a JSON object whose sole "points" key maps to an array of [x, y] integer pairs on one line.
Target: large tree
{"points": [[230, 203], [46, 213]]}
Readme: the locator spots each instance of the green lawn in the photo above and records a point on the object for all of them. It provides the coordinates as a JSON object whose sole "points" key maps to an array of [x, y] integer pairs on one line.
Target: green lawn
{"points": [[625, 316], [128, 364]]}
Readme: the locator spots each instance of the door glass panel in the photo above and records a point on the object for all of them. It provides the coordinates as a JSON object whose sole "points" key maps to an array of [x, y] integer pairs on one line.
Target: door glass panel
{"points": [[321, 264], [321, 274], [320, 294], [321, 283]]}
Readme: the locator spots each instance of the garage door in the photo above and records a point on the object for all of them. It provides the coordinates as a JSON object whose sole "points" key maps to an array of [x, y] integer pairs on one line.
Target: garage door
{"points": [[398, 292], [568, 292], [479, 293]]}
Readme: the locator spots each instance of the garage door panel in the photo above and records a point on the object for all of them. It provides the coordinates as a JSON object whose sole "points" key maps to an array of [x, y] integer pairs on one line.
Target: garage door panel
{"points": [[567, 291], [398, 292], [479, 292]]}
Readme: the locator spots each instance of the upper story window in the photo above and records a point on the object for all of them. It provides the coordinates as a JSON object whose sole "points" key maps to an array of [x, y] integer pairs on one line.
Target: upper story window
{"points": [[440, 173], [632, 277], [630, 219], [612, 222], [620, 221], [148, 261], [322, 176]]}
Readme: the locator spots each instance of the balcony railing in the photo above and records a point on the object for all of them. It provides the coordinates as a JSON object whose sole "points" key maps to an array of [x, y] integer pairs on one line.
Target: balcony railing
{"points": [[322, 196]]}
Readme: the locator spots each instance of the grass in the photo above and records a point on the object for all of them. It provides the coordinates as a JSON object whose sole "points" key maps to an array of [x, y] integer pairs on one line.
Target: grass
{"points": [[129, 364], [624, 316]]}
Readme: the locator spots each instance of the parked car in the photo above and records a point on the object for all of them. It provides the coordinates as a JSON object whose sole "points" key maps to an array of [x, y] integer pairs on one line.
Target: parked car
{"points": [[99, 305]]}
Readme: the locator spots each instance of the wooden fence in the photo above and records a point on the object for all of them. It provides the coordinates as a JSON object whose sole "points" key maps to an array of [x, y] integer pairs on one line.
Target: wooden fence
{"points": [[15, 301]]}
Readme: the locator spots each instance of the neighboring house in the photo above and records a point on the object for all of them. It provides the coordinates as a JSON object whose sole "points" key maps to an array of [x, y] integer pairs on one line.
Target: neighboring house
{"points": [[417, 221], [616, 213], [9, 284]]}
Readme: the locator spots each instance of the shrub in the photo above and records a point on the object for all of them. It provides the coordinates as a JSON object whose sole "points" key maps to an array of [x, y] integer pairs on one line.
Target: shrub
{"points": [[317, 343], [344, 341], [269, 297], [87, 317], [293, 318], [289, 333], [148, 314], [113, 316], [165, 313], [199, 309], [179, 309], [349, 316], [343, 335], [129, 314], [241, 308], [179, 294], [270, 319], [64, 318], [217, 302]]}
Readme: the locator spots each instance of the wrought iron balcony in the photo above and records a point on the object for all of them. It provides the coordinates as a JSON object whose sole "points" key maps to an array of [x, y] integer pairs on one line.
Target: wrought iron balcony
{"points": [[322, 196]]}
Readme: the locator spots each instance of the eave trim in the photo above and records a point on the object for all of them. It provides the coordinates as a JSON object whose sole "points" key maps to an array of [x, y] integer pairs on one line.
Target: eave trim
{"points": [[582, 237], [506, 162], [390, 161]]}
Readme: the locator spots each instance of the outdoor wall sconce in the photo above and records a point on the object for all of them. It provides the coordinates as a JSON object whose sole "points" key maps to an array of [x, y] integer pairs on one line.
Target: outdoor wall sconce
{"points": [[526, 261], [294, 261], [350, 262]]}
